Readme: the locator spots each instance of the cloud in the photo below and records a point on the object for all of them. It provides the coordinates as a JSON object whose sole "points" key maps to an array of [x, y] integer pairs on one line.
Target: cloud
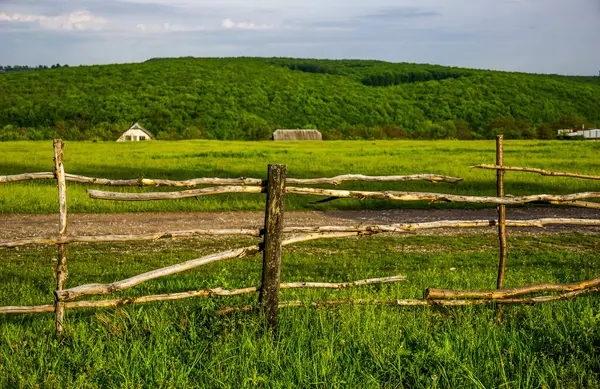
{"points": [[400, 13], [231, 25], [78, 20], [167, 27]]}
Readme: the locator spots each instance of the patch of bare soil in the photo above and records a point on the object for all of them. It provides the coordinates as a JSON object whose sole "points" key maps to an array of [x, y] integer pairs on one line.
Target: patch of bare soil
{"points": [[22, 226]]}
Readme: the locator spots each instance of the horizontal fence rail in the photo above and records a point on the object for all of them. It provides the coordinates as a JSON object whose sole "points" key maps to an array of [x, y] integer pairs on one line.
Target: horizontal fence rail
{"points": [[438, 294], [568, 199], [258, 232], [417, 302], [102, 289], [195, 293], [536, 170], [65, 297], [433, 178]]}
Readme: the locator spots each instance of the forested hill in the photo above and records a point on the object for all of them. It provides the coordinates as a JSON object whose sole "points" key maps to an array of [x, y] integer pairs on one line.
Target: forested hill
{"points": [[248, 98]]}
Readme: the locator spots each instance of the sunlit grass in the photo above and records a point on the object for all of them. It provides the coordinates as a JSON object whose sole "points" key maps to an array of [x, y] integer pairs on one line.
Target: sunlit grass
{"points": [[183, 344], [191, 159]]}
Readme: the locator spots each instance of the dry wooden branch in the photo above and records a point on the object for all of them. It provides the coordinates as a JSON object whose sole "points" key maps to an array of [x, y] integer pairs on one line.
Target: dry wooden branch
{"points": [[27, 177], [61, 271], [416, 302], [536, 170], [223, 292], [433, 178], [101, 195], [195, 293], [102, 289], [132, 238], [362, 230], [443, 294], [501, 222], [434, 197], [580, 204], [171, 183]]}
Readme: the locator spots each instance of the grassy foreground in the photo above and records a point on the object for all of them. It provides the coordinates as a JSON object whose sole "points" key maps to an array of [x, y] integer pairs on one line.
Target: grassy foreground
{"points": [[183, 344], [191, 159]]}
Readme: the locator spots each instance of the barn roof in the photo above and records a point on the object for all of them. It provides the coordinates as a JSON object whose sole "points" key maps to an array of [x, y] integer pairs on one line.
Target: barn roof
{"points": [[297, 135]]}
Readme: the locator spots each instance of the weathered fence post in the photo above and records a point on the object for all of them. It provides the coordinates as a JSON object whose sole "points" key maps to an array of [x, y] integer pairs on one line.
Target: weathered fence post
{"points": [[269, 291], [61, 263], [501, 220]]}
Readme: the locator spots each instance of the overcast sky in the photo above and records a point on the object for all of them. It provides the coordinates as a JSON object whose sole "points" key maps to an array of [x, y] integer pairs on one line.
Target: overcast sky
{"points": [[543, 36]]}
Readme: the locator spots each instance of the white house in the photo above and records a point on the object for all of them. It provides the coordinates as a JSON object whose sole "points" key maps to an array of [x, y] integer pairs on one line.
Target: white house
{"points": [[135, 133]]}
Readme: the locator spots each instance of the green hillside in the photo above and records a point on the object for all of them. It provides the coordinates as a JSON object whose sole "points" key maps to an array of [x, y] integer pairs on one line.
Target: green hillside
{"points": [[247, 98]]}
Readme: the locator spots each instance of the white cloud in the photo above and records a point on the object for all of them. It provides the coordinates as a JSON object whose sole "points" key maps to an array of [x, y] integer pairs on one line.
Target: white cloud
{"points": [[79, 20], [167, 27], [230, 25]]}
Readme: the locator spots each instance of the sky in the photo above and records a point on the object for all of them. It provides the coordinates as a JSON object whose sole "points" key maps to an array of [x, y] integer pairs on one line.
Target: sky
{"points": [[539, 36]]}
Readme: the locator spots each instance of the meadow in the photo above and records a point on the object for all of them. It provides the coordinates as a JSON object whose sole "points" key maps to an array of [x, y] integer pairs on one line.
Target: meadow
{"points": [[185, 344], [192, 159]]}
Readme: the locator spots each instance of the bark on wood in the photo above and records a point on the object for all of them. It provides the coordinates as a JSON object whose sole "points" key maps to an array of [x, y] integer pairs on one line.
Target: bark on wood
{"points": [[102, 289], [501, 221], [271, 270], [536, 170], [194, 293], [417, 303], [133, 182], [27, 177], [285, 304], [101, 195], [444, 294], [568, 199], [61, 263], [434, 178], [152, 182], [133, 238], [581, 204], [362, 230]]}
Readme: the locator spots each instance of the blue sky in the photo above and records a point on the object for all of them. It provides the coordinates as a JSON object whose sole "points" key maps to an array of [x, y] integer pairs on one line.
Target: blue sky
{"points": [[543, 36]]}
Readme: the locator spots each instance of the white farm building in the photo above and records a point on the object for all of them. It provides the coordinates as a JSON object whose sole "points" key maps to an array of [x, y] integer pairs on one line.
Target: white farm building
{"points": [[135, 133]]}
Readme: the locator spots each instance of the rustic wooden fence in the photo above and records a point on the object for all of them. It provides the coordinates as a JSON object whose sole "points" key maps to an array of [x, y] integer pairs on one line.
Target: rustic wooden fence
{"points": [[275, 187]]}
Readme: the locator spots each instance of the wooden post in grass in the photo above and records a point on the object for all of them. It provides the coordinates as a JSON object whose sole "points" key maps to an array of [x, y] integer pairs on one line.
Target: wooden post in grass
{"points": [[61, 263], [269, 291], [501, 220]]}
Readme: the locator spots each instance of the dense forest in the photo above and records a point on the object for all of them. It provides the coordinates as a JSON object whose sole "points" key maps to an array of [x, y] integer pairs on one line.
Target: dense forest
{"points": [[248, 98]]}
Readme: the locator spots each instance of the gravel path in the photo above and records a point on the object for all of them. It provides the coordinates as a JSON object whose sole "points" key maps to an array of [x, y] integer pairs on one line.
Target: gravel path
{"points": [[21, 226]]}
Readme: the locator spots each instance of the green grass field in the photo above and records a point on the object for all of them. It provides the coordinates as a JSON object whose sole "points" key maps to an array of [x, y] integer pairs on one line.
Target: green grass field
{"points": [[183, 344], [191, 159]]}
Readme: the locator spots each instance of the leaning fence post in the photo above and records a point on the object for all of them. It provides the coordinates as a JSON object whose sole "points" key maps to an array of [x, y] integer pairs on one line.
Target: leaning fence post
{"points": [[61, 264], [501, 220], [273, 232]]}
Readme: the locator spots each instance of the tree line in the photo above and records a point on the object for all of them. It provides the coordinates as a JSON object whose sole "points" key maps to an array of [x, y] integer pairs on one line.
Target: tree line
{"points": [[249, 98]]}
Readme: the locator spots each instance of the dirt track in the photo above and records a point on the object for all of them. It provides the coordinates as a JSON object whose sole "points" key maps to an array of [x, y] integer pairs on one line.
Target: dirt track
{"points": [[21, 226]]}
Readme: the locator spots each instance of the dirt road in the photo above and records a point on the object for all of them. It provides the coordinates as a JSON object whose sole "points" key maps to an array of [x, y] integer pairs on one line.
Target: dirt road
{"points": [[21, 226]]}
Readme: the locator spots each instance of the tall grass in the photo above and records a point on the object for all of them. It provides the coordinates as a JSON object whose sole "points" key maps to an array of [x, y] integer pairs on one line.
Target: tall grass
{"points": [[183, 344], [191, 159]]}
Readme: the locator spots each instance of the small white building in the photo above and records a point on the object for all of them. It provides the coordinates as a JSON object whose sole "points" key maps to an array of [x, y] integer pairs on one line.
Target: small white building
{"points": [[135, 133], [590, 133]]}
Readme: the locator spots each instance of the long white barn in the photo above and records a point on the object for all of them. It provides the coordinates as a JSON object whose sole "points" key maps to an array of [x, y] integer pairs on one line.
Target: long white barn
{"points": [[135, 133]]}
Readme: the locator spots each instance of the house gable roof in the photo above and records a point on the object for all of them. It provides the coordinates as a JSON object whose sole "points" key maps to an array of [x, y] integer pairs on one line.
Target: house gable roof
{"points": [[136, 126]]}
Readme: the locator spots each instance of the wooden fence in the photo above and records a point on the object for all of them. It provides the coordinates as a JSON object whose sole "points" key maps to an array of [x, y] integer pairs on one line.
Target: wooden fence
{"points": [[275, 188]]}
